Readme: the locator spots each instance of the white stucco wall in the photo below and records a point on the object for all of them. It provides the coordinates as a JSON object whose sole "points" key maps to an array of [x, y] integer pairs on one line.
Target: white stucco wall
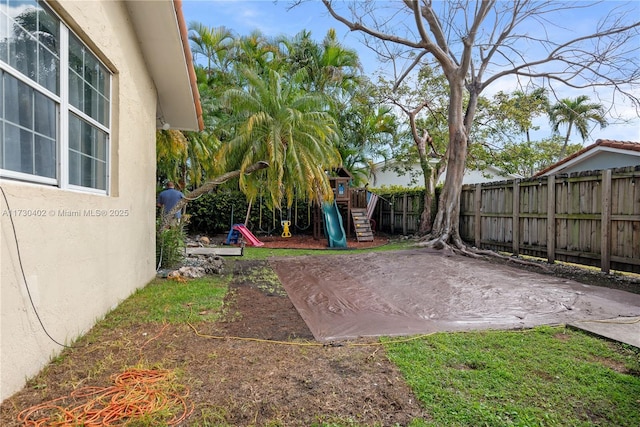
{"points": [[604, 160], [413, 177], [79, 267]]}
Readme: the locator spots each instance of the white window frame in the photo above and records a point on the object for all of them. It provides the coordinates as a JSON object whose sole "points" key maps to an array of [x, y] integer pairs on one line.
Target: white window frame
{"points": [[64, 109]]}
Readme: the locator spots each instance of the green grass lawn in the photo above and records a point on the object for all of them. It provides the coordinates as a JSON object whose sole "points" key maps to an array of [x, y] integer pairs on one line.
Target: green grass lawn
{"points": [[172, 302], [251, 252], [548, 376]]}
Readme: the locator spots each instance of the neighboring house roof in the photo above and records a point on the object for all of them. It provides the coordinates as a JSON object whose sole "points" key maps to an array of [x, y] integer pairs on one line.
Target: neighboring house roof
{"points": [[164, 41], [603, 154]]}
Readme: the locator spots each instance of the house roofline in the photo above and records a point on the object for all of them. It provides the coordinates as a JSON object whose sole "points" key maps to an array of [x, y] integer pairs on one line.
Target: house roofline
{"points": [[164, 42], [612, 146], [184, 35]]}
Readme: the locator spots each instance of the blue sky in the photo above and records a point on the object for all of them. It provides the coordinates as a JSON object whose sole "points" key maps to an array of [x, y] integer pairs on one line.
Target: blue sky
{"points": [[272, 18]]}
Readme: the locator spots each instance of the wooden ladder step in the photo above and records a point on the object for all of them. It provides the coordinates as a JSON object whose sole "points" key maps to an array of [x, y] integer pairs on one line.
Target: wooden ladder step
{"points": [[361, 225]]}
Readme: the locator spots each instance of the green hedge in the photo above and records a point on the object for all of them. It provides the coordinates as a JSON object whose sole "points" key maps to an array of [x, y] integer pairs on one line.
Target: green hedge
{"points": [[214, 214]]}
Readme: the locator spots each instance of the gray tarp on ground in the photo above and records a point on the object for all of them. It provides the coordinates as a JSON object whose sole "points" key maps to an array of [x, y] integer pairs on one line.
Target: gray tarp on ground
{"points": [[421, 291]]}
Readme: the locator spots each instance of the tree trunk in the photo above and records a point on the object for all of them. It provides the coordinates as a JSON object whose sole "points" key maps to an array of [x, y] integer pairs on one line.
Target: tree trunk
{"points": [[566, 142], [431, 175], [429, 184], [246, 218], [445, 229], [429, 193], [446, 225]]}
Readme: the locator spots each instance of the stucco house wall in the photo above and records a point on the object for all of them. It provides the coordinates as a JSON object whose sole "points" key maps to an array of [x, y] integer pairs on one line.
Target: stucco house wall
{"points": [[603, 154], [413, 177], [81, 253], [605, 160]]}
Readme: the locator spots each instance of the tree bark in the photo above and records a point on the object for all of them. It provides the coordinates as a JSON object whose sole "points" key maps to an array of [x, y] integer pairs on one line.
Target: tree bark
{"points": [[430, 175], [429, 194], [445, 229]]}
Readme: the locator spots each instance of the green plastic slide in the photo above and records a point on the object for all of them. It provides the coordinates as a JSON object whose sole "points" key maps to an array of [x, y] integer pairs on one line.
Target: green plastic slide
{"points": [[333, 228]]}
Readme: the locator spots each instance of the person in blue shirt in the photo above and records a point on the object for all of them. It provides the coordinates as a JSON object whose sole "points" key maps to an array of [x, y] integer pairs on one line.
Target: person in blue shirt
{"points": [[168, 198]]}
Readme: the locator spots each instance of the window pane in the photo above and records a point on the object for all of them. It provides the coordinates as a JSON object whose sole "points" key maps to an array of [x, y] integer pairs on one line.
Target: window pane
{"points": [[10, 97], [90, 102], [75, 126], [23, 54], [18, 150], [101, 175], [49, 60], [103, 82], [25, 106], [75, 90], [88, 139], [48, 70], [91, 70], [19, 100], [12, 157], [30, 120], [76, 54], [86, 171], [48, 31], [74, 168], [88, 148], [45, 161], [101, 145], [4, 32], [33, 38], [45, 116], [88, 82], [1, 96]]}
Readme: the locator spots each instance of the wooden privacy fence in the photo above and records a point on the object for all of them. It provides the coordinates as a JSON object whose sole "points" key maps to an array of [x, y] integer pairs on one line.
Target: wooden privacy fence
{"points": [[399, 213], [590, 218]]}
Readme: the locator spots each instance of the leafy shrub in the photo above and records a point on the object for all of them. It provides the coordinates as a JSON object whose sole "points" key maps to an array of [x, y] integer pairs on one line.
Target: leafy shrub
{"points": [[170, 244], [214, 214]]}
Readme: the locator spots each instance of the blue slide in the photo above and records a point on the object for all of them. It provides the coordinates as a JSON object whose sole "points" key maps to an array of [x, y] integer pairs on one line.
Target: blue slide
{"points": [[333, 227]]}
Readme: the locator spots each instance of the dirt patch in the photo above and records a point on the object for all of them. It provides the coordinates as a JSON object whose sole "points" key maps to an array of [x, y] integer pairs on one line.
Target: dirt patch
{"points": [[295, 382]]}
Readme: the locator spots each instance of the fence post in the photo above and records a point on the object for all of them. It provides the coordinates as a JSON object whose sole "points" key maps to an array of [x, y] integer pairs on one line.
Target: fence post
{"points": [[515, 222], [605, 222], [551, 219], [404, 214], [477, 217], [392, 214]]}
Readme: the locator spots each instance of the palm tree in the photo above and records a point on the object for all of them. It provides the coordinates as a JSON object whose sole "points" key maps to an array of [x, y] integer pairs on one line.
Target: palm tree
{"points": [[272, 120], [215, 44], [257, 51], [576, 112], [330, 66], [185, 158]]}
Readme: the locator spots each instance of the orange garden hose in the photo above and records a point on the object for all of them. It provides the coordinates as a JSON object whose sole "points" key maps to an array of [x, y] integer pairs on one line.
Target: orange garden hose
{"points": [[135, 393]]}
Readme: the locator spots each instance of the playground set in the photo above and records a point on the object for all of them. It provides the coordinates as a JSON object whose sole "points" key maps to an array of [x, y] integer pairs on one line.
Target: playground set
{"points": [[350, 205]]}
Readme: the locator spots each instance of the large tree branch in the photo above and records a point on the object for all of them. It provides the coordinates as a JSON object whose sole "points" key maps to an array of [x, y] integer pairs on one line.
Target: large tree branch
{"points": [[355, 26], [562, 54], [468, 41], [207, 187]]}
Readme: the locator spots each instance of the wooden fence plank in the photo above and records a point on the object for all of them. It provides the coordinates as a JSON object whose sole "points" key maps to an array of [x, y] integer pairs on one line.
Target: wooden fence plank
{"points": [[551, 221], [515, 218], [605, 223], [478, 219]]}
